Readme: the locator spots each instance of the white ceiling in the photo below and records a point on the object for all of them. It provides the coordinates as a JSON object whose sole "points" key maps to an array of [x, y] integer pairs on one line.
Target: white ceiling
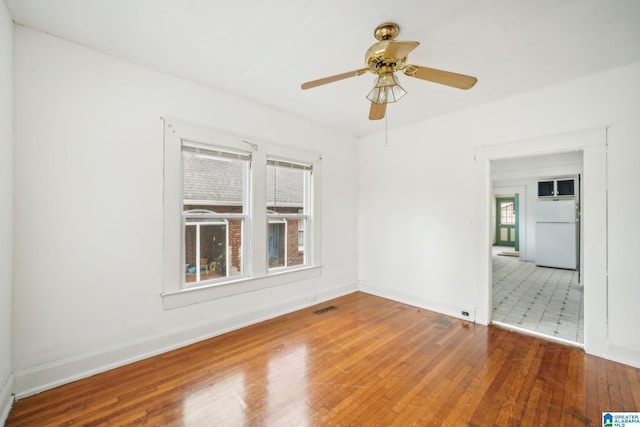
{"points": [[263, 50]]}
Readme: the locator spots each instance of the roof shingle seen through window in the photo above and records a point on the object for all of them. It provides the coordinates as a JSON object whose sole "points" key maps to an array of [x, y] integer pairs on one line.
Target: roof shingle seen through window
{"points": [[288, 188], [212, 180], [207, 179]]}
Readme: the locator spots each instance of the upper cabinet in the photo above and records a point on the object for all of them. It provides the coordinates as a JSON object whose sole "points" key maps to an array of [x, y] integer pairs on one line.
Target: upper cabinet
{"points": [[557, 187]]}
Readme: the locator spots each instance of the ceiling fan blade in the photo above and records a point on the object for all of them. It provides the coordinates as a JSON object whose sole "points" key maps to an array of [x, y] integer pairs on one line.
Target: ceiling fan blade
{"points": [[447, 78], [399, 49], [331, 79], [377, 111]]}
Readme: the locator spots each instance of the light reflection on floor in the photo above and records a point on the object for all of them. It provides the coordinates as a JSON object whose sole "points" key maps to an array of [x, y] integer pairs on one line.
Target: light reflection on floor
{"points": [[287, 380], [282, 385], [227, 395]]}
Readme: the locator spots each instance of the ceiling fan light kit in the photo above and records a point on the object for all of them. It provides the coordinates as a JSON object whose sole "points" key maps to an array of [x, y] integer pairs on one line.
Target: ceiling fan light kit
{"points": [[386, 89], [386, 57]]}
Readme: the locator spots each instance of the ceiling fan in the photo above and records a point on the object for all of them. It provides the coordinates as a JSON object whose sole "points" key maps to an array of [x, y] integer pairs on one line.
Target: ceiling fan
{"points": [[386, 57]]}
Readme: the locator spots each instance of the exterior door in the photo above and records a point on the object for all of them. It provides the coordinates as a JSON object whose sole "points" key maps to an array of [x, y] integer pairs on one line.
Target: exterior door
{"points": [[506, 222]]}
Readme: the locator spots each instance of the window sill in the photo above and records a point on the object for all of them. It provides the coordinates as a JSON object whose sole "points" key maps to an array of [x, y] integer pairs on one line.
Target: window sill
{"points": [[188, 296]]}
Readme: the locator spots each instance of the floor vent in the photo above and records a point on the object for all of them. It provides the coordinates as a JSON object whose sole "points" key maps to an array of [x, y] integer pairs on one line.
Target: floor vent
{"points": [[324, 310]]}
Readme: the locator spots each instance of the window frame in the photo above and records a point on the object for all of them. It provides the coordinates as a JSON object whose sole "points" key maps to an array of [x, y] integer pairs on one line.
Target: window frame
{"points": [[302, 217], [217, 152], [257, 274]]}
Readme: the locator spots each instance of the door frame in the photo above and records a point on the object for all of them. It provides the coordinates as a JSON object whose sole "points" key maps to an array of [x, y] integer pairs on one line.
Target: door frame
{"points": [[593, 144]]}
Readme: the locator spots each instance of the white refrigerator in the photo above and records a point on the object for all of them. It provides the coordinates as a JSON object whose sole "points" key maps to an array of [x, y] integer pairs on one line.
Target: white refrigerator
{"points": [[557, 234]]}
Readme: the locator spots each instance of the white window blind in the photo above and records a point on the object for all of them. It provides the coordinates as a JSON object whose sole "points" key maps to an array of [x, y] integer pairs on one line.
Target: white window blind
{"points": [[289, 164], [212, 151]]}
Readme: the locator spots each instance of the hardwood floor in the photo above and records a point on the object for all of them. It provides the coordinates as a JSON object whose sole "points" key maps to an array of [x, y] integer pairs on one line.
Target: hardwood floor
{"points": [[370, 361]]}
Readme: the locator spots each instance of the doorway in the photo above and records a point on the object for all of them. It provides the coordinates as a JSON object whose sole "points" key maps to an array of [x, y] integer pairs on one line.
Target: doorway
{"points": [[507, 221], [540, 300], [593, 144]]}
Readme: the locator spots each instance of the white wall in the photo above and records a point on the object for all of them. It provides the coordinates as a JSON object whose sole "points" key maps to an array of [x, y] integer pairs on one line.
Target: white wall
{"points": [[417, 215], [88, 211], [418, 224], [6, 208]]}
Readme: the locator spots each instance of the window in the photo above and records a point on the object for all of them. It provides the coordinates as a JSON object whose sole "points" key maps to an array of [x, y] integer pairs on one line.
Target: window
{"points": [[238, 216], [507, 213], [214, 212], [288, 195]]}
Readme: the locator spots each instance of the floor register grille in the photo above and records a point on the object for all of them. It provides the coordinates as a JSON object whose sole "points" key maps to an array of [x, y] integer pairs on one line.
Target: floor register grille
{"points": [[325, 310]]}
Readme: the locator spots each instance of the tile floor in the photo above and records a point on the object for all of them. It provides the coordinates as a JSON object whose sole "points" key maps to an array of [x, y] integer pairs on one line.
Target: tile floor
{"points": [[544, 300]]}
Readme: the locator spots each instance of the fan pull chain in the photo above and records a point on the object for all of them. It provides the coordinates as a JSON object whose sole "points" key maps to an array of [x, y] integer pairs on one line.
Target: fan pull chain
{"points": [[386, 145]]}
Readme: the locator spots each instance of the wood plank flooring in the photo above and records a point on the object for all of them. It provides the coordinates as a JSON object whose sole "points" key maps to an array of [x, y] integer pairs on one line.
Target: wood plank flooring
{"points": [[370, 361]]}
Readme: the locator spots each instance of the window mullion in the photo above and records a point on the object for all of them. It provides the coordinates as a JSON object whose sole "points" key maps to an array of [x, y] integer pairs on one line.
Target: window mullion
{"points": [[216, 216], [258, 222]]}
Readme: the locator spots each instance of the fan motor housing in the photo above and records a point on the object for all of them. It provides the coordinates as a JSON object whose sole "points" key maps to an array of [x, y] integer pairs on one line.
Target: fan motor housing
{"points": [[375, 61]]}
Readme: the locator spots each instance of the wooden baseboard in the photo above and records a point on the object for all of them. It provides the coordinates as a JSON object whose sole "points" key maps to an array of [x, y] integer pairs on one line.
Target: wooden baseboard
{"points": [[447, 309], [43, 377], [6, 398]]}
